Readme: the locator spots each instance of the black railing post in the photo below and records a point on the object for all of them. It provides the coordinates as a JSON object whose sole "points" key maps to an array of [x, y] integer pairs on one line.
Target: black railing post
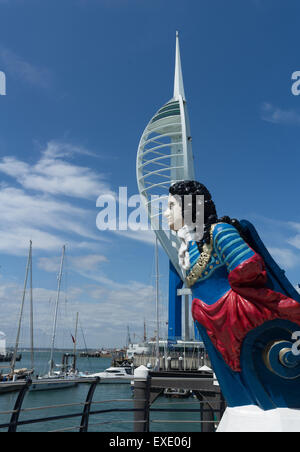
{"points": [[222, 405], [87, 407], [147, 404], [206, 413], [141, 403], [17, 409]]}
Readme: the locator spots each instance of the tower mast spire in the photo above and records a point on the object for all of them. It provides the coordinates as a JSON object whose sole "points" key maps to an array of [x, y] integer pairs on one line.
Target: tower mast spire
{"points": [[178, 79]]}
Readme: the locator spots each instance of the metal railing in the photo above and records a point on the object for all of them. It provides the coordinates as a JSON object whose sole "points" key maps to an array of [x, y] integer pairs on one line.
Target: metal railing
{"points": [[86, 412]]}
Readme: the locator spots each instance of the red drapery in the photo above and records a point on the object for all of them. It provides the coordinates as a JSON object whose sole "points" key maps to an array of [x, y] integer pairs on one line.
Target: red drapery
{"points": [[246, 306]]}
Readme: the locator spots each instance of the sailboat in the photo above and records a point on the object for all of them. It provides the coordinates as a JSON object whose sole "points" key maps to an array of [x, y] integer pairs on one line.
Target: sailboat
{"points": [[157, 357], [55, 379], [14, 380]]}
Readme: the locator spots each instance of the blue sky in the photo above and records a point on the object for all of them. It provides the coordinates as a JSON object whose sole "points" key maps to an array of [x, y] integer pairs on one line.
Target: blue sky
{"points": [[83, 79]]}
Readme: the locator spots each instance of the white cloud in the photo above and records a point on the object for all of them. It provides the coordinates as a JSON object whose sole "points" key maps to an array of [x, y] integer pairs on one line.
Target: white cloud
{"points": [[88, 262], [41, 203], [54, 175], [104, 312], [279, 239], [276, 115], [39, 210], [38, 205], [286, 258], [24, 70], [295, 241], [294, 225], [43, 219], [147, 237]]}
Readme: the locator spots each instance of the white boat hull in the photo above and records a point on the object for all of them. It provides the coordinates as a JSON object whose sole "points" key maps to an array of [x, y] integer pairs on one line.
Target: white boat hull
{"points": [[51, 384], [109, 378], [6, 387]]}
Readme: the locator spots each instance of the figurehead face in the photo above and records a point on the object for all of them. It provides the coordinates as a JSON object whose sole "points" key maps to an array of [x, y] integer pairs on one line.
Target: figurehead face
{"points": [[174, 213], [190, 204]]}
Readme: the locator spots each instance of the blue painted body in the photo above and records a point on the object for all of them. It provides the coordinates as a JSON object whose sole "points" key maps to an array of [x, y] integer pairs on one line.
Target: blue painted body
{"points": [[229, 251], [277, 279], [256, 384], [175, 306]]}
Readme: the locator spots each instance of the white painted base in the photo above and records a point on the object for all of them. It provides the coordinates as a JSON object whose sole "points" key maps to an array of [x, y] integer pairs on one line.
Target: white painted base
{"points": [[251, 418]]}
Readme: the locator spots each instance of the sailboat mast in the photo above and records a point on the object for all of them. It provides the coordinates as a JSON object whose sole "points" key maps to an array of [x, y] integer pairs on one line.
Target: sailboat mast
{"points": [[31, 312], [145, 331], [157, 303], [75, 343], [14, 358], [56, 311]]}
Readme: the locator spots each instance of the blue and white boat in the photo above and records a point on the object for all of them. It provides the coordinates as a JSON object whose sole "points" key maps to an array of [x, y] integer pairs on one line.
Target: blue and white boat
{"points": [[123, 374]]}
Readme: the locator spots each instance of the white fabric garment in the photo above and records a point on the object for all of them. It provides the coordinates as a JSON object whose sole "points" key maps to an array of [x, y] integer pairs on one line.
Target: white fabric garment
{"points": [[186, 235]]}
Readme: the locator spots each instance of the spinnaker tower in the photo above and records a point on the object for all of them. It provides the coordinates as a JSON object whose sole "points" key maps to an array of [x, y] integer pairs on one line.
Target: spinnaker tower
{"points": [[164, 157]]}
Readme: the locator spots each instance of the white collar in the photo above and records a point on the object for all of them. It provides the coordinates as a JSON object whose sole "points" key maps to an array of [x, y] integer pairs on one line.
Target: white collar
{"points": [[186, 235]]}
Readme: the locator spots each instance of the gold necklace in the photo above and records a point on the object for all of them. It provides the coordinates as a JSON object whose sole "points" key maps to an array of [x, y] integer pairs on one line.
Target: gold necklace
{"points": [[202, 262]]}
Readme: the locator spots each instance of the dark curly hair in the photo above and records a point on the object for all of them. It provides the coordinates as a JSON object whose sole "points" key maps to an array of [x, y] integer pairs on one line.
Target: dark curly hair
{"points": [[194, 188]]}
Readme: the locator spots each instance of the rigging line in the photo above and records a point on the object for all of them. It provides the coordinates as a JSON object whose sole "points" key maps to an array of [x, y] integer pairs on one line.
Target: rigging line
{"points": [[31, 316], [13, 361], [67, 312], [85, 345], [150, 282]]}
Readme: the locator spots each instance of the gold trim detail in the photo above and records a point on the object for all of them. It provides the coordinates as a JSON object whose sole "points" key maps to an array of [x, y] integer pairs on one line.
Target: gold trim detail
{"points": [[202, 262], [282, 353]]}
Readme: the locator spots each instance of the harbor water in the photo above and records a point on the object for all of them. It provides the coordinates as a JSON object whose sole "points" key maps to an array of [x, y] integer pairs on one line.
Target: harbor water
{"points": [[106, 422]]}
